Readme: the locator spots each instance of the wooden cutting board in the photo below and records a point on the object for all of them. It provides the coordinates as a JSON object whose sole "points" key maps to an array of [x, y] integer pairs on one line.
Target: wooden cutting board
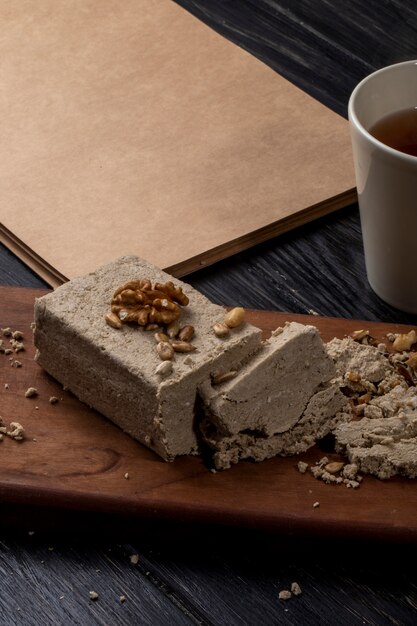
{"points": [[73, 459]]}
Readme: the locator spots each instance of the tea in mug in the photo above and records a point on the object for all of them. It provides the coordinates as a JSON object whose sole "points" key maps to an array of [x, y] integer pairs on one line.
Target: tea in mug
{"points": [[398, 130]]}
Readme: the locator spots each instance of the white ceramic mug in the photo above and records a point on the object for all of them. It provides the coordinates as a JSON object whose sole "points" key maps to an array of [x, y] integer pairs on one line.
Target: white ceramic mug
{"points": [[387, 185]]}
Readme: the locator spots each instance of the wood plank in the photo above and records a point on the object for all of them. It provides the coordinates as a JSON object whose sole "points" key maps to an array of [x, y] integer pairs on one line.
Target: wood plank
{"points": [[75, 459]]}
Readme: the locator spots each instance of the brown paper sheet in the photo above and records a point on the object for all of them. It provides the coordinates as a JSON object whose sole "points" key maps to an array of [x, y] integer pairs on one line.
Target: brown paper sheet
{"points": [[132, 128]]}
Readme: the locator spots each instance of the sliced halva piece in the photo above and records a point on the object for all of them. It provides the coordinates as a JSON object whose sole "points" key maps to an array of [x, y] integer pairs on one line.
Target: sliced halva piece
{"points": [[322, 413], [114, 370], [279, 403], [271, 391]]}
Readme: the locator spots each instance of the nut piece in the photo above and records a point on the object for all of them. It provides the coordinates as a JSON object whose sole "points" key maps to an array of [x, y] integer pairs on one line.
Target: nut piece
{"points": [[221, 330], [151, 327], [358, 335], [31, 392], [173, 329], [164, 368], [17, 334], [186, 333], [335, 467], [404, 341], [412, 361], [235, 317], [182, 346], [165, 351], [112, 320], [365, 398], [161, 337], [353, 377]]}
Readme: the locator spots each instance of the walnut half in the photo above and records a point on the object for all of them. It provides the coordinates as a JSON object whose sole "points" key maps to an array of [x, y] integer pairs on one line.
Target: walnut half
{"points": [[137, 301]]}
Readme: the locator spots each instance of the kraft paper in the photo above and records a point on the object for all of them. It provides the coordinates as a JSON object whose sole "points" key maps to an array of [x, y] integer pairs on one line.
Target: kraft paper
{"points": [[132, 128]]}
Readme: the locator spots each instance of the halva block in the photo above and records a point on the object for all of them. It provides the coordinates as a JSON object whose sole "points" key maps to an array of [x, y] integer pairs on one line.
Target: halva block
{"points": [[115, 370]]}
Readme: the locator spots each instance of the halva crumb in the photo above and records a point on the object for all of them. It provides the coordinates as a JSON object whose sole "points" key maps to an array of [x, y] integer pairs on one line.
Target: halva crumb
{"points": [[285, 594], [302, 467], [16, 431], [336, 472], [296, 589], [31, 392], [17, 346]]}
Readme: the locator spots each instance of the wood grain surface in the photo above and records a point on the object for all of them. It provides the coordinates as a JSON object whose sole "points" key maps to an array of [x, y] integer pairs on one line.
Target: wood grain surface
{"points": [[73, 458]]}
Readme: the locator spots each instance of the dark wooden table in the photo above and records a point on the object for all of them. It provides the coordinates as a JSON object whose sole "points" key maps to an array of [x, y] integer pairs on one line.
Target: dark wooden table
{"points": [[207, 575]]}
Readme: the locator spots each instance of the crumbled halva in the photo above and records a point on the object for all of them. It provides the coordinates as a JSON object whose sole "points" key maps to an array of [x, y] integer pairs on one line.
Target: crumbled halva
{"points": [[351, 356], [380, 438]]}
